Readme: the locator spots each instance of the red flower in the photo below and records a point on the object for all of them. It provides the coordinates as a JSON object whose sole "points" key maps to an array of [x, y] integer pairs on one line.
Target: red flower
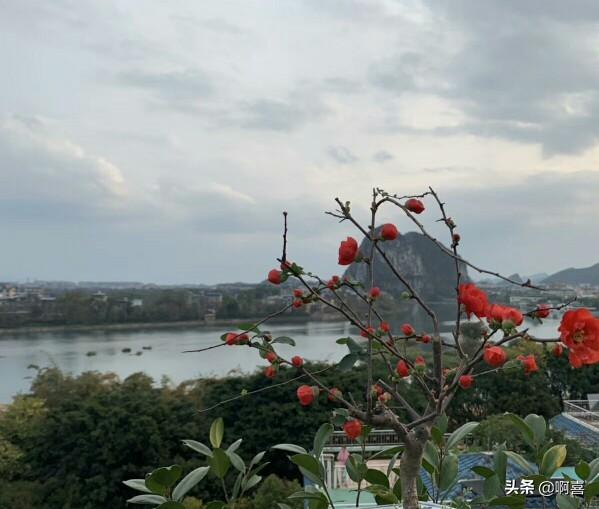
{"points": [[305, 394], [389, 232], [402, 369], [579, 331], [543, 311], [499, 314], [456, 238], [334, 394], [297, 361], [529, 363], [333, 283], [270, 372], [298, 293], [414, 205], [375, 292], [353, 428], [426, 339], [473, 299], [513, 315], [466, 381], [419, 361], [407, 329], [385, 327], [495, 356], [369, 332], [348, 251], [297, 304], [287, 265], [235, 338], [271, 357], [558, 350], [274, 276]]}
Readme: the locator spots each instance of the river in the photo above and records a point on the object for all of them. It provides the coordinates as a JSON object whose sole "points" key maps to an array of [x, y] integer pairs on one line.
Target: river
{"points": [[69, 352]]}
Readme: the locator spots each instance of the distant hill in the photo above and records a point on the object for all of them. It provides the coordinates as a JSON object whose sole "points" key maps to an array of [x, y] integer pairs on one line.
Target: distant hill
{"points": [[572, 276], [428, 270]]}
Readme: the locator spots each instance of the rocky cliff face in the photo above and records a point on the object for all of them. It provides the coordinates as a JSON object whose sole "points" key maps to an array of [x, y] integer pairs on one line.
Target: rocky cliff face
{"points": [[429, 271]]}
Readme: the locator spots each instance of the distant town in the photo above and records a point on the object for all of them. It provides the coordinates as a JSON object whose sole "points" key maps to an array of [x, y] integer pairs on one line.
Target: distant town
{"points": [[63, 303]]}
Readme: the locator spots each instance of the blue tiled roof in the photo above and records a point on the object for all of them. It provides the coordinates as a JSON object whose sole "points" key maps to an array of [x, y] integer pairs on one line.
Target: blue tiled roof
{"points": [[574, 429]]}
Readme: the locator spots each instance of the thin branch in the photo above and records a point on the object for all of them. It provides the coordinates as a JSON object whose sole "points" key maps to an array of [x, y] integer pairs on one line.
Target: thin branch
{"points": [[262, 389]]}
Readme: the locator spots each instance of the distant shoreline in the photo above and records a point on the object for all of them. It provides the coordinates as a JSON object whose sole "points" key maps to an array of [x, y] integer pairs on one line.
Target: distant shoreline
{"points": [[138, 326]]}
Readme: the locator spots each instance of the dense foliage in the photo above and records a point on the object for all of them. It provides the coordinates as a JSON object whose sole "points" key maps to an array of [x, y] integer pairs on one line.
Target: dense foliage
{"points": [[71, 442]]}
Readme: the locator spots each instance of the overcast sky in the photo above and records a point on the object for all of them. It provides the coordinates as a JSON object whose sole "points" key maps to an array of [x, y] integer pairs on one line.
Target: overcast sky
{"points": [[160, 141]]}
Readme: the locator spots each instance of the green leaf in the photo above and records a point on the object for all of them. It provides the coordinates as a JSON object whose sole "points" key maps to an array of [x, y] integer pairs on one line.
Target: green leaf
{"points": [[189, 482], [382, 494], [483, 471], [347, 362], [523, 428], [583, 470], [171, 505], [500, 463], [322, 437], [198, 447], [356, 468], [248, 327], [236, 461], [283, 506], [307, 495], [147, 499], [387, 452], [431, 454], [251, 482], [459, 434], [310, 464], [539, 427], [235, 445], [374, 476], [492, 488], [257, 459], [441, 423], [553, 459], [216, 504], [449, 471], [162, 479], [290, 448], [284, 340], [594, 466], [519, 460], [137, 484], [591, 490], [565, 502], [220, 463], [511, 501], [437, 436], [217, 430]]}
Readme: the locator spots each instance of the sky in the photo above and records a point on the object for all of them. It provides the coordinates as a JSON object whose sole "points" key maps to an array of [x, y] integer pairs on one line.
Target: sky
{"points": [[160, 141]]}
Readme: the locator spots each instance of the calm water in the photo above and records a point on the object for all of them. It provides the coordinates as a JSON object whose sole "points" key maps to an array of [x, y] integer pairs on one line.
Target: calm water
{"points": [[67, 351]]}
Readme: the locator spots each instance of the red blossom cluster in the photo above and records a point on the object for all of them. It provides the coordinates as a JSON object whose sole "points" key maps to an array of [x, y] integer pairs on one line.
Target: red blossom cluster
{"points": [[579, 331]]}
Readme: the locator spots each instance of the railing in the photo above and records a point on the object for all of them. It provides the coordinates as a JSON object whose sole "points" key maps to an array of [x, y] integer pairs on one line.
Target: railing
{"points": [[583, 409]]}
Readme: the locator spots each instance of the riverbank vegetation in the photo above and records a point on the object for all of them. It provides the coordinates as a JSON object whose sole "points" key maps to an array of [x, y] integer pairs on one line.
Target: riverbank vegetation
{"points": [[71, 440]]}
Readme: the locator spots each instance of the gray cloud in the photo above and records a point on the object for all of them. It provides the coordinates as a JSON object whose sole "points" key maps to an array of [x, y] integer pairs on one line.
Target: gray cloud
{"points": [[180, 89], [382, 156], [45, 177], [342, 155], [281, 115], [524, 71]]}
